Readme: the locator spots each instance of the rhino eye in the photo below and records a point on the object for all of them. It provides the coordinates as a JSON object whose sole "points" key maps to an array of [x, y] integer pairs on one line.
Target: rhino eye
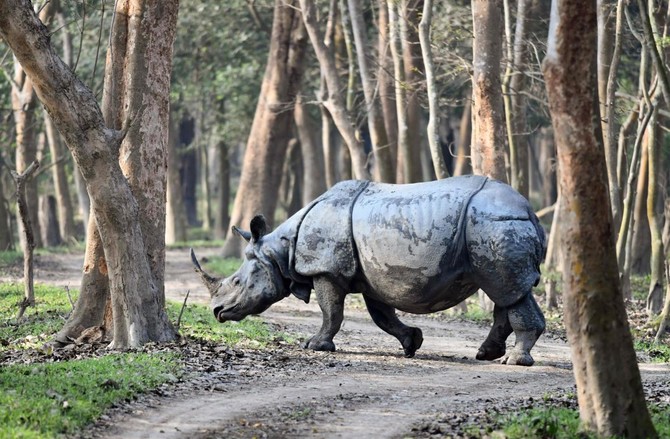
{"points": [[236, 281]]}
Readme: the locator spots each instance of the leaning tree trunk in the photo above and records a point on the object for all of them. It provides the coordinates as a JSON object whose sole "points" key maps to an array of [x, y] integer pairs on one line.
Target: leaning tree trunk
{"points": [[488, 128], [375, 116], [609, 387], [139, 314], [272, 125]]}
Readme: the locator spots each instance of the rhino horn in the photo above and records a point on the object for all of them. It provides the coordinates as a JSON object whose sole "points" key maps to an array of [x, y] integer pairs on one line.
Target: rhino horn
{"points": [[209, 281]]}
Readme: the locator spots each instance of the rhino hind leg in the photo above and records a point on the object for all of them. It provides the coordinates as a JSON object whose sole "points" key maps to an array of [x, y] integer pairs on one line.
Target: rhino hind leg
{"points": [[494, 345], [331, 301], [528, 324], [385, 317]]}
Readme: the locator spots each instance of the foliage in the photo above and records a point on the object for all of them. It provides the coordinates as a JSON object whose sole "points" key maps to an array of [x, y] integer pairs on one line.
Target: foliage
{"points": [[9, 258], [657, 353], [43, 400], [222, 266]]}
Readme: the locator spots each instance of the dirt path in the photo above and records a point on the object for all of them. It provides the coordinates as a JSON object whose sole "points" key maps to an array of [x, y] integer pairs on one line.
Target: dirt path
{"points": [[367, 388]]}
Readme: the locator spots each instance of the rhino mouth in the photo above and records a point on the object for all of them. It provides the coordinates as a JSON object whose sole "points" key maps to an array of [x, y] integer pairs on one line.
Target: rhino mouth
{"points": [[226, 314]]}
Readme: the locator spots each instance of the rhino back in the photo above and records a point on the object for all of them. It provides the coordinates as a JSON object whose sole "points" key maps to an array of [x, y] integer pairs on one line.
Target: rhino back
{"points": [[408, 239]]}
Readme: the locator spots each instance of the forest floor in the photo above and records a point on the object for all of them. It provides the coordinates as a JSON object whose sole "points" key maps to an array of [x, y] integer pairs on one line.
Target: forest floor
{"points": [[365, 389]]}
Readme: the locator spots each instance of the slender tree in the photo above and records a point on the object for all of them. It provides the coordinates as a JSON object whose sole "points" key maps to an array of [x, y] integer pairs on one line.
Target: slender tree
{"points": [[609, 388]]}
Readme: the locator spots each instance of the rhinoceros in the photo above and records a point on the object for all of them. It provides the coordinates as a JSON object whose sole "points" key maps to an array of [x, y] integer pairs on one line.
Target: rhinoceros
{"points": [[418, 248]]}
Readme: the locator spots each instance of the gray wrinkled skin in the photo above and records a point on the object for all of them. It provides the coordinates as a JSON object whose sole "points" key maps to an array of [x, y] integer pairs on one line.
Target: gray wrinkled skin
{"points": [[419, 248]]}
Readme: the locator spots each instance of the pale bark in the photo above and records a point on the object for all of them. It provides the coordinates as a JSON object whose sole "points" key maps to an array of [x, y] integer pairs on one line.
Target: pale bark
{"points": [[334, 103], [488, 128], [639, 238], [272, 125], [609, 388], [405, 168], [20, 179], [375, 116], [608, 101], [314, 182], [433, 108], [655, 295], [385, 81]]}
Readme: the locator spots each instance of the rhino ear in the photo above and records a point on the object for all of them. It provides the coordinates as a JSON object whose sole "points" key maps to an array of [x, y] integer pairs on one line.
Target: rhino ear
{"points": [[301, 291], [242, 233], [258, 227]]}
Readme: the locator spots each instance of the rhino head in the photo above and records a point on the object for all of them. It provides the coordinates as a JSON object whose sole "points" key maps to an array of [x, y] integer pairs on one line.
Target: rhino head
{"points": [[261, 280]]}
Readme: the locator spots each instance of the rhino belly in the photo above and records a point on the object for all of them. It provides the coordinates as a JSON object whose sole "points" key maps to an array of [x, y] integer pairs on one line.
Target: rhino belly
{"points": [[403, 238]]}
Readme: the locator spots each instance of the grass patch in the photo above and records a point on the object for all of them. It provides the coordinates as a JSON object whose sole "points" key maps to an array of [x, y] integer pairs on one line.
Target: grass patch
{"points": [[658, 353], [197, 243], [562, 423], [9, 258], [198, 322], [39, 322], [218, 266], [44, 400]]}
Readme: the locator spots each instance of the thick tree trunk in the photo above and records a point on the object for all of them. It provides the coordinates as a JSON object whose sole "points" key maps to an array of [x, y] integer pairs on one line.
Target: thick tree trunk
{"points": [[49, 226], [639, 236], [609, 388], [375, 116], [488, 130], [139, 315], [272, 125]]}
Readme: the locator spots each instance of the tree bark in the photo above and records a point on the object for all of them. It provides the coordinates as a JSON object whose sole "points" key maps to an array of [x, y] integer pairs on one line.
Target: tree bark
{"points": [[463, 163], [175, 221], [609, 388], [6, 241], [433, 109], [222, 220], [405, 170], [272, 125], [139, 315], [62, 189], [385, 81], [314, 183], [488, 129], [334, 102], [375, 117], [49, 226]]}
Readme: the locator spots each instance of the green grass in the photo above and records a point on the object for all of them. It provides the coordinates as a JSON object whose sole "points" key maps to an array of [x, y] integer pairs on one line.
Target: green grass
{"points": [[47, 399], [218, 266], [562, 423], [658, 353], [8, 258], [198, 322]]}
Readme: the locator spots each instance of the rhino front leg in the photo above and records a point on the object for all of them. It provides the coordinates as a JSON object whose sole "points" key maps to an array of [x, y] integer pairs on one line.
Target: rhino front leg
{"points": [[494, 345], [385, 317], [331, 301], [528, 324]]}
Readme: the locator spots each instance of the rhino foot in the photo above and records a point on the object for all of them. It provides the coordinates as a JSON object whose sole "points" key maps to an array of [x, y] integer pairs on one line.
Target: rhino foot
{"points": [[490, 351], [412, 342], [518, 358], [317, 344]]}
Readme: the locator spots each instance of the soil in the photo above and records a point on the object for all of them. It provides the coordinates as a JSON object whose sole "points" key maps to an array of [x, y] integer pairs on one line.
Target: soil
{"points": [[364, 389]]}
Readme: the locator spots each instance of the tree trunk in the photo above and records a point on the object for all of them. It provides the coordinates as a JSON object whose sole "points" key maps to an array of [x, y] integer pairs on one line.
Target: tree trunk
{"points": [[62, 189], [405, 170], [222, 221], [314, 183], [409, 15], [272, 125], [488, 133], [175, 220], [609, 388], [548, 159], [375, 116], [639, 235], [433, 116], [463, 163], [6, 241], [49, 226], [188, 170], [655, 295], [334, 102], [139, 314], [385, 85]]}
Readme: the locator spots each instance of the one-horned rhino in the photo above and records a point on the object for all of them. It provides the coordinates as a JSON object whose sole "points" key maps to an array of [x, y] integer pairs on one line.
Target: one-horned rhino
{"points": [[418, 248]]}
